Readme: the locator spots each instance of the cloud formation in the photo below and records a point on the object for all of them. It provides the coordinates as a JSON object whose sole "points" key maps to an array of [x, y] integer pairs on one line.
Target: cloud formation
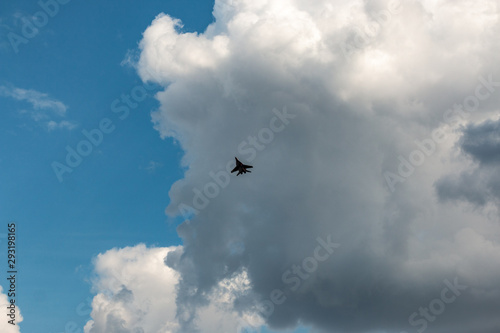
{"points": [[478, 184], [5, 327], [136, 293], [44, 109], [364, 81]]}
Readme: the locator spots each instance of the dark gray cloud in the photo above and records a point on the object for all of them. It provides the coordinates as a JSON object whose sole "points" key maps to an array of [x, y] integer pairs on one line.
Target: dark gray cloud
{"points": [[480, 183], [482, 141]]}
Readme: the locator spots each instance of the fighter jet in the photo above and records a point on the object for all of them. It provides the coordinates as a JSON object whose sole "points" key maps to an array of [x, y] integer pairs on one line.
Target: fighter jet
{"points": [[241, 168]]}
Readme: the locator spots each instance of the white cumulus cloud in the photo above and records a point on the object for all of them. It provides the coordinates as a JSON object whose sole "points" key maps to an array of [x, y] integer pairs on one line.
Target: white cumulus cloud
{"points": [[5, 326], [136, 292]]}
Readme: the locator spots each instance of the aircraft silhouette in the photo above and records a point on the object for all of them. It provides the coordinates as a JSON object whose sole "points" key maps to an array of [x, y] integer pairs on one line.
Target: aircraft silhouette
{"points": [[241, 168]]}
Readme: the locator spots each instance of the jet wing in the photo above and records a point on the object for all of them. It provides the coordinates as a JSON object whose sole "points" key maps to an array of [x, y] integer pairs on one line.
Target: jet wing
{"points": [[247, 166], [235, 168]]}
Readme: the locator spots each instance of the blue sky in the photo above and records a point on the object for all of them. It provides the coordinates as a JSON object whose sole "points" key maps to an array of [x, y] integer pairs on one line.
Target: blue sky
{"points": [[111, 199], [209, 93], [117, 195]]}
